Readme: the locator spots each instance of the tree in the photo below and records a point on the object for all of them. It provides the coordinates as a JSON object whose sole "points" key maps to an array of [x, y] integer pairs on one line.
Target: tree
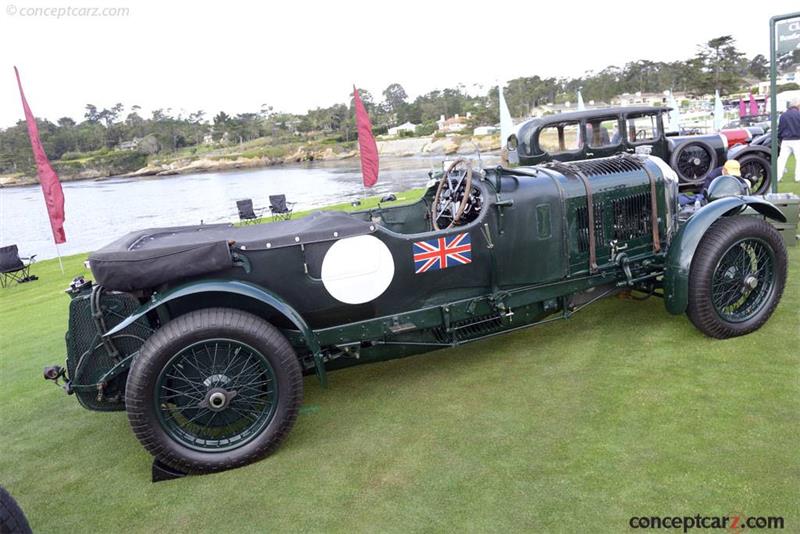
{"points": [[221, 125], [91, 113], [394, 97], [723, 64], [66, 122], [758, 67]]}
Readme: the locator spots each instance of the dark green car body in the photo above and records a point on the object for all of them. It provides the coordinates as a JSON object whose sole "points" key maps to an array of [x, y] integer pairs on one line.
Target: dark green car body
{"points": [[540, 243]]}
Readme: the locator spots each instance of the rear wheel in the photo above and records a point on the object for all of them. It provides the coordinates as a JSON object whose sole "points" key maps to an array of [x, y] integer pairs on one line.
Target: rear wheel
{"points": [[737, 277], [757, 170], [214, 389]]}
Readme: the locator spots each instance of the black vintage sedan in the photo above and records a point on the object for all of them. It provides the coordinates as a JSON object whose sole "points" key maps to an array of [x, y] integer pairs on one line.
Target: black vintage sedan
{"points": [[599, 133]]}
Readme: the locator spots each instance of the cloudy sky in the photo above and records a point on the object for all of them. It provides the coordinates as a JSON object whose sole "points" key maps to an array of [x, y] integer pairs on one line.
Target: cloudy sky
{"points": [[236, 56]]}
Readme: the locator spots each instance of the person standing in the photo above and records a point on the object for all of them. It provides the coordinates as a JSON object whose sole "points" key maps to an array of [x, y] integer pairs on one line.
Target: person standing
{"points": [[789, 138]]}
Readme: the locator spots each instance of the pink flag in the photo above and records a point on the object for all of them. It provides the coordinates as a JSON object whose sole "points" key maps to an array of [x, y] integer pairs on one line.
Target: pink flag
{"points": [[366, 143], [753, 105], [51, 187], [742, 111]]}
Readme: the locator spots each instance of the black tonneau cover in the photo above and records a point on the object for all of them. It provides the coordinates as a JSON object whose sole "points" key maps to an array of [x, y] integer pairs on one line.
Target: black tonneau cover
{"points": [[148, 258]]}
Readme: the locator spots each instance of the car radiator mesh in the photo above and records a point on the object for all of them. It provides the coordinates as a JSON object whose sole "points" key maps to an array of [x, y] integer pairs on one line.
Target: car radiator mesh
{"points": [[630, 220], [606, 166], [582, 219], [87, 358], [631, 217]]}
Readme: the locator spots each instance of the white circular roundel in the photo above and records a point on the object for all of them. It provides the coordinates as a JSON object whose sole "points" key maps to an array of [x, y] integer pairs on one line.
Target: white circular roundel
{"points": [[357, 269]]}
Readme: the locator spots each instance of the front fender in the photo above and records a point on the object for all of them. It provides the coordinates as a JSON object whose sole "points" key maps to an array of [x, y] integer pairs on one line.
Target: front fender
{"points": [[683, 245], [740, 151], [236, 287]]}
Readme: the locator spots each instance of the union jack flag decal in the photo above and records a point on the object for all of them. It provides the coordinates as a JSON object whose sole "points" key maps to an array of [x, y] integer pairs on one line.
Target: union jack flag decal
{"points": [[442, 252]]}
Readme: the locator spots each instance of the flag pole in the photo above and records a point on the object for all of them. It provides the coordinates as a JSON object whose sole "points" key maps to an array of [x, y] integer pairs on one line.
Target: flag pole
{"points": [[60, 264]]}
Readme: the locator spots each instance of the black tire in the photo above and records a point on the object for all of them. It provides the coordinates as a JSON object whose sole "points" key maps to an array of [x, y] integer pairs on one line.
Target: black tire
{"points": [[12, 519], [160, 351], [757, 170], [693, 171], [715, 278]]}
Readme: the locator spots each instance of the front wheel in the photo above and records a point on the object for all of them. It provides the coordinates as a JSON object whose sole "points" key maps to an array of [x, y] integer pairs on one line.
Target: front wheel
{"points": [[214, 389], [737, 277]]}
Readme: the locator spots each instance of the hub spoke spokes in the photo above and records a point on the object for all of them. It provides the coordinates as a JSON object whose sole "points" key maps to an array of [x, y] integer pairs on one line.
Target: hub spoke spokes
{"points": [[742, 281], [216, 394]]}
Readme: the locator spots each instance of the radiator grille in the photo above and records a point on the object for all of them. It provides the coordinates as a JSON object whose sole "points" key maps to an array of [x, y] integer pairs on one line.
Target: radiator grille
{"points": [[582, 218], [87, 360], [632, 217], [629, 216], [598, 167]]}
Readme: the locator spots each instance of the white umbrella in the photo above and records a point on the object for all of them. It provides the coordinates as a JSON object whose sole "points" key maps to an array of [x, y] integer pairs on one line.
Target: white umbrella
{"points": [[674, 115], [506, 124], [718, 112]]}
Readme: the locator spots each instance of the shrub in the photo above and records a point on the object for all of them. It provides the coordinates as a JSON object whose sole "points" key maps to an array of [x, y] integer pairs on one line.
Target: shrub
{"points": [[426, 128]]}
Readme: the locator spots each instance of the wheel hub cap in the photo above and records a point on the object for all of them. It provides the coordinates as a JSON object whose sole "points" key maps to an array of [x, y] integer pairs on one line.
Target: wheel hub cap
{"points": [[751, 282], [218, 399]]}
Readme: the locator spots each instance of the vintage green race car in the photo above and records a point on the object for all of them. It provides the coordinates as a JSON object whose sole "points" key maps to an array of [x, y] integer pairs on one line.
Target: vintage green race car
{"points": [[203, 333]]}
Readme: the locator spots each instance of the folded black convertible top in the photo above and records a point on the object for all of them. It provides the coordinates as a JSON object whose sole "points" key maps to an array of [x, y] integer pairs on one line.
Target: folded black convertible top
{"points": [[148, 258]]}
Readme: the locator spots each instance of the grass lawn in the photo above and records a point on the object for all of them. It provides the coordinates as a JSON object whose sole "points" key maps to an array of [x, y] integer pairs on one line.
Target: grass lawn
{"points": [[574, 426]]}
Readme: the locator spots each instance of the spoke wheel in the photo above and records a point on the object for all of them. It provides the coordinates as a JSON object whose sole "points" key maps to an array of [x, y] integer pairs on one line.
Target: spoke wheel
{"points": [[214, 389], [736, 277], [693, 161], [742, 280], [216, 394], [757, 171]]}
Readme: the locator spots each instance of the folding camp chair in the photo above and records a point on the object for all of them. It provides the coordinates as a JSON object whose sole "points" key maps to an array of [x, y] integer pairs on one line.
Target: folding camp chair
{"points": [[247, 213], [14, 268], [280, 209]]}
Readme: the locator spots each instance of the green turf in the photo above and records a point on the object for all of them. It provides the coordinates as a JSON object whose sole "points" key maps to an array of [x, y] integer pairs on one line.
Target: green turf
{"points": [[569, 427], [788, 173]]}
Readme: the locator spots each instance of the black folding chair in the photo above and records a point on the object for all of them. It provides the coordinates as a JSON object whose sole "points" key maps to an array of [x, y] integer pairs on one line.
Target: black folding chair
{"points": [[247, 214], [280, 209], [13, 268]]}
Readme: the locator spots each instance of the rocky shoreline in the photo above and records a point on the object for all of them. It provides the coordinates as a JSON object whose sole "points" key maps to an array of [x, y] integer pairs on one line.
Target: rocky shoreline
{"points": [[405, 147]]}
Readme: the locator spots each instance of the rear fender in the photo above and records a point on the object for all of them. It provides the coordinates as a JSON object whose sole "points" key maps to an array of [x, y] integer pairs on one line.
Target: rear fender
{"points": [[240, 288], [684, 244]]}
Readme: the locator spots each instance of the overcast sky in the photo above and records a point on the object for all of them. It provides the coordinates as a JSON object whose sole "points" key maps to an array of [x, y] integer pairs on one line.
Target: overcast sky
{"points": [[235, 56]]}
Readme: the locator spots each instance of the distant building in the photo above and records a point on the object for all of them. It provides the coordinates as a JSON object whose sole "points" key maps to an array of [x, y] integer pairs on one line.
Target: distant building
{"points": [[208, 139], [133, 144], [485, 130], [640, 99], [405, 127], [453, 124]]}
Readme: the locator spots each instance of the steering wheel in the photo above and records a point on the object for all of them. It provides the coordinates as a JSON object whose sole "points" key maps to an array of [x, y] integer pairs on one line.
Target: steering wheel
{"points": [[641, 135], [452, 195]]}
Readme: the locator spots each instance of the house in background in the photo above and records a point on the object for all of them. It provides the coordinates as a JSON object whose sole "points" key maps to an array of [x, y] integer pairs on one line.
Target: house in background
{"points": [[454, 124], [133, 144], [405, 127], [485, 130]]}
